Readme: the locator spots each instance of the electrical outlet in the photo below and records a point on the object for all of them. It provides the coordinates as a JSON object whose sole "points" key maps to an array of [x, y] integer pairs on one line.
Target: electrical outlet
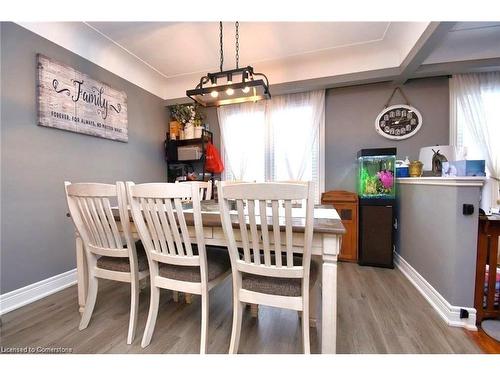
{"points": [[468, 209]]}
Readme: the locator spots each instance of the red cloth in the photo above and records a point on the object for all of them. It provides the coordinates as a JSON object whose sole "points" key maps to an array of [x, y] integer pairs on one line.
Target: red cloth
{"points": [[213, 160]]}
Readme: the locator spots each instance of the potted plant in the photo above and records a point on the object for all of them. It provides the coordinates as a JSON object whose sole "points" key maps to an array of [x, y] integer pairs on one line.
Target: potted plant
{"points": [[190, 119]]}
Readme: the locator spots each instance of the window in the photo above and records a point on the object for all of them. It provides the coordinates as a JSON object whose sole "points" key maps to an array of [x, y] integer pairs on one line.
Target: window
{"points": [[465, 137], [275, 140], [475, 99]]}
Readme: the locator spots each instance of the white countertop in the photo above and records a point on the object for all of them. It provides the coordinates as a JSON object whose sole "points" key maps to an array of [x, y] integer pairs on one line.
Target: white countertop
{"points": [[443, 181]]}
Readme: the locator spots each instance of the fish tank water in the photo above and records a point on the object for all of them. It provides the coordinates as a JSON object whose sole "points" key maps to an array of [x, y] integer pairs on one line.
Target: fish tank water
{"points": [[376, 178]]}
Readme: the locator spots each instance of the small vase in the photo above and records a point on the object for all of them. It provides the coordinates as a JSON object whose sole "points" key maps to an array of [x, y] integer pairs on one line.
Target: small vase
{"points": [[189, 131], [198, 131]]}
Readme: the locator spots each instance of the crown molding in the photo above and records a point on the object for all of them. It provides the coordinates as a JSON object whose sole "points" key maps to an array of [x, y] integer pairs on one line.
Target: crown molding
{"points": [[81, 39]]}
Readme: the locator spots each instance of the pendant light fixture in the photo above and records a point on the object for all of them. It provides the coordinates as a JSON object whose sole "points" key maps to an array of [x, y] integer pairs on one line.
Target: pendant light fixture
{"points": [[230, 86]]}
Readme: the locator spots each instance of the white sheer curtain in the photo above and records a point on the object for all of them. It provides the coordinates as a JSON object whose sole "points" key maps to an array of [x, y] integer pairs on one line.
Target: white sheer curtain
{"points": [[275, 140], [477, 125], [243, 130], [295, 122]]}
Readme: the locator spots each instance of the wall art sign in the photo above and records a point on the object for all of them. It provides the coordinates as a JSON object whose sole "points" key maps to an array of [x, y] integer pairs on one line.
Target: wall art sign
{"points": [[71, 100]]}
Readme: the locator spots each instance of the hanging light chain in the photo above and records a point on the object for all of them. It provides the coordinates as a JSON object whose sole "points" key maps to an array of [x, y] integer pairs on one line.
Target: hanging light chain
{"points": [[237, 45], [221, 47]]}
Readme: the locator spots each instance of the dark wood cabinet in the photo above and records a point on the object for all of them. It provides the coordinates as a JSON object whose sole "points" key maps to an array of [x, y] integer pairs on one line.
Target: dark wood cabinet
{"points": [[376, 235], [346, 204]]}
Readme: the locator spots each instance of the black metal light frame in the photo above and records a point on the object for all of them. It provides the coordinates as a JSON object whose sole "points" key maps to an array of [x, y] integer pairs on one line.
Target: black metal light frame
{"points": [[205, 87], [258, 89]]}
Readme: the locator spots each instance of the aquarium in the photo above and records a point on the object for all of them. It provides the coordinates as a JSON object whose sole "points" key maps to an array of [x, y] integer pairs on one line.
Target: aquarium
{"points": [[377, 173]]}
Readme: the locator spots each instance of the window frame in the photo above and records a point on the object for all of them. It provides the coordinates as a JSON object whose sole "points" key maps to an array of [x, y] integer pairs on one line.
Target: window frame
{"points": [[321, 158]]}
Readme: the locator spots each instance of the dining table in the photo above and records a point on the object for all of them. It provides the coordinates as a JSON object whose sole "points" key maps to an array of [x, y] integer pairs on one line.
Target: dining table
{"points": [[326, 243]]}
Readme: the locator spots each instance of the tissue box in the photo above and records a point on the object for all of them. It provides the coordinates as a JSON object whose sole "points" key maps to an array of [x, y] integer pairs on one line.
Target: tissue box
{"points": [[462, 168], [402, 171]]}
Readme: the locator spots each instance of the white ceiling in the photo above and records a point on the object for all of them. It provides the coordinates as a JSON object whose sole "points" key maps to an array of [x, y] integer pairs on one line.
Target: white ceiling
{"points": [[179, 48], [166, 58], [468, 41]]}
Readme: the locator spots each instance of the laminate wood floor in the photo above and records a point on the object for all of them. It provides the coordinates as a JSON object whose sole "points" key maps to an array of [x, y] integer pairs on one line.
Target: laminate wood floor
{"points": [[379, 311]]}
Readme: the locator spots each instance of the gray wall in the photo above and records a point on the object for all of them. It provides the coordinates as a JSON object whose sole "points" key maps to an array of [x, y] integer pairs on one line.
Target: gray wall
{"points": [[37, 238], [350, 117], [436, 239], [212, 120]]}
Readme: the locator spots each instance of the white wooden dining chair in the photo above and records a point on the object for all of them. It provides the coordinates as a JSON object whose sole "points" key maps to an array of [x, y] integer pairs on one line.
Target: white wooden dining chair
{"points": [[109, 255], [266, 272], [204, 186], [176, 261]]}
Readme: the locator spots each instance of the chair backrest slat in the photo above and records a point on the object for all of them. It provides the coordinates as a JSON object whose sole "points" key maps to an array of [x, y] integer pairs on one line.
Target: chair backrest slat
{"points": [[253, 231], [208, 191], [276, 232], [163, 218], [270, 245], [87, 220], [98, 223], [243, 230], [112, 222], [166, 227], [288, 234], [182, 223], [265, 233], [174, 227], [90, 208], [105, 223], [154, 207], [149, 222]]}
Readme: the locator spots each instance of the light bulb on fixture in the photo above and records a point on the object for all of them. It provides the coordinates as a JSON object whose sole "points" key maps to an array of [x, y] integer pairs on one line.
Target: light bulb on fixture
{"points": [[214, 93], [246, 89], [230, 90]]}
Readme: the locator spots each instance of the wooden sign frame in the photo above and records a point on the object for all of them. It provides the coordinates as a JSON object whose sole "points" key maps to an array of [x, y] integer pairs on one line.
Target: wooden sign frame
{"points": [[73, 101]]}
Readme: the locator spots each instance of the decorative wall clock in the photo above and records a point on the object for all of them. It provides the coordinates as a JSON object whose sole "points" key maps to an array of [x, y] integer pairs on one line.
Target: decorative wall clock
{"points": [[398, 121]]}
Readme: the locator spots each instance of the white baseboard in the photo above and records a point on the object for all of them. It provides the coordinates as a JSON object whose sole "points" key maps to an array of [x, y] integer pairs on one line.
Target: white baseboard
{"points": [[31, 293], [449, 313]]}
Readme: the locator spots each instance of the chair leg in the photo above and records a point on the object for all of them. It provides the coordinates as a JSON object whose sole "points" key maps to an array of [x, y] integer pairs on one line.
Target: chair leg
{"points": [[305, 328], [90, 303], [189, 298], [235, 333], [204, 323], [134, 308], [153, 313], [175, 296]]}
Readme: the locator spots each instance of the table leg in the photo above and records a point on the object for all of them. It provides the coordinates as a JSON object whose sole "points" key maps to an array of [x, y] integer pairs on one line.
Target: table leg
{"points": [[331, 246], [82, 274], [315, 296]]}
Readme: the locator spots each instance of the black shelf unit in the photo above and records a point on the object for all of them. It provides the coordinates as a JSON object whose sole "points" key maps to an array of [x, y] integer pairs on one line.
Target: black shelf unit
{"points": [[171, 153]]}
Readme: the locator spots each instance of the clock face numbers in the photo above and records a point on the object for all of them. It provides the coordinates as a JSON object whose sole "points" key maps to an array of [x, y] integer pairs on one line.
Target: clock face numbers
{"points": [[398, 122]]}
